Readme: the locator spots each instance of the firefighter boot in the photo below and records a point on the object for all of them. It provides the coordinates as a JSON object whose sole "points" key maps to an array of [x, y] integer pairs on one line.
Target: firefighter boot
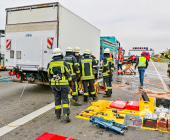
{"points": [[58, 116], [76, 103], [106, 95], [85, 98], [66, 118]]}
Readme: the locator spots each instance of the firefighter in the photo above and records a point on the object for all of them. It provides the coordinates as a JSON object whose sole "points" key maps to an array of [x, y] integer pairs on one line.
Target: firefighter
{"points": [[167, 56], [60, 79], [108, 67], [78, 57], [87, 75], [120, 60], [75, 73]]}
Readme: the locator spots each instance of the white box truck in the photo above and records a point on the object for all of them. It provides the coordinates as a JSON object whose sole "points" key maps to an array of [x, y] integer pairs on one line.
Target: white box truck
{"points": [[32, 32]]}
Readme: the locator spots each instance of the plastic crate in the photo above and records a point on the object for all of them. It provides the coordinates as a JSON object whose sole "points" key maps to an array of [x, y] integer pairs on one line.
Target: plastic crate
{"points": [[147, 106]]}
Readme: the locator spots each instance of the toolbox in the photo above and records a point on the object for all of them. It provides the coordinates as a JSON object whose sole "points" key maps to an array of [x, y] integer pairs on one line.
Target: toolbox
{"points": [[132, 105], [162, 102], [150, 120], [119, 104], [132, 120], [147, 106]]}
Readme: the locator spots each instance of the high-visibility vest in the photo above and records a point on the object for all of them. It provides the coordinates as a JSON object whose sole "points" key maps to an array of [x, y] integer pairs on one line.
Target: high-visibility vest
{"points": [[142, 62], [58, 68]]}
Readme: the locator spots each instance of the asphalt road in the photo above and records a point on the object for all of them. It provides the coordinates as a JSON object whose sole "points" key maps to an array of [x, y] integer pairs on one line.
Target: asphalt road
{"points": [[38, 96]]}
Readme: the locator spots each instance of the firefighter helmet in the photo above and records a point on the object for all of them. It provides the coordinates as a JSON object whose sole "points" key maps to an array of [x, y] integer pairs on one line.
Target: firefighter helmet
{"points": [[57, 52], [107, 50], [76, 49], [69, 49], [87, 51]]}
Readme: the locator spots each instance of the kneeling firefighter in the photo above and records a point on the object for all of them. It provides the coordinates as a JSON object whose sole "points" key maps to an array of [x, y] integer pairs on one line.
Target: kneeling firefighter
{"points": [[87, 75], [108, 67], [60, 79], [75, 73], [167, 56]]}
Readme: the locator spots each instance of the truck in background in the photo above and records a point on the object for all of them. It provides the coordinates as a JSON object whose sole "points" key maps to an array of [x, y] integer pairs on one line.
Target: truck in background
{"points": [[109, 42], [32, 32], [2, 50]]}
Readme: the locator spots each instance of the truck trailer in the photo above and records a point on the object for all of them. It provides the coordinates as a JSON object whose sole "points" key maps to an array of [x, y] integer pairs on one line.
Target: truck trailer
{"points": [[32, 32]]}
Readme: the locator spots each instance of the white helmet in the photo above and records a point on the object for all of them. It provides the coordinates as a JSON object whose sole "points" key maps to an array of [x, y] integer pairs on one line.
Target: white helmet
{"points": [[107, 50], [76, 49], [69, 49], [57, 52], [87, 51]]}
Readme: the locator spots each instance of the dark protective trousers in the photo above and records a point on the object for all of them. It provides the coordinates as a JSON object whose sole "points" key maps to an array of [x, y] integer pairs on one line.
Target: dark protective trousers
{"points": [[108, 84], [91, 87], [62, 95], [119, 66], [75, 89]]}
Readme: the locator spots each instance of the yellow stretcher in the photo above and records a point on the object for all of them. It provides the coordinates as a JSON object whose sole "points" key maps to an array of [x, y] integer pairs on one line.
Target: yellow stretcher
{"points": [[128, 69], [101, 108]]}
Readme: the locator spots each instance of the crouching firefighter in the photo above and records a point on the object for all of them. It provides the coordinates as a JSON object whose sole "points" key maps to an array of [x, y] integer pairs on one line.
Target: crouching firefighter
{"points": [[60, 79], [108, 67], [167, 56], [87, 75], [75, 73]]}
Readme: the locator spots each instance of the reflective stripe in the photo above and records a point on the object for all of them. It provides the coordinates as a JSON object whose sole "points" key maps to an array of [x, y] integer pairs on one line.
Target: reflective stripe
{"points": [[76, 87], [86, 93], [58, 107], [87, 77], [67, 70], [142, 62], [91, 69], [71, 67], [77, 71], [105, 74], [70, 78], [109, 87], [112, 69], [65, 105], [69, 99], [106, 86], [93, 93]]}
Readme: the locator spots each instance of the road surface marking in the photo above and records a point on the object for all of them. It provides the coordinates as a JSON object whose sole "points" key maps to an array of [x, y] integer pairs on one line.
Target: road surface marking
{"points": [[163, 83], [5, 129]]}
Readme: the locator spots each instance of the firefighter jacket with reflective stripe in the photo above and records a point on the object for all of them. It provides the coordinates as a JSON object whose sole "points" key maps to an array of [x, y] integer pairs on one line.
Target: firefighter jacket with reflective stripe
{"points": [[78, 58], [72, 62], [108, 66], [58, 72], [86, 67], [142, 62]]}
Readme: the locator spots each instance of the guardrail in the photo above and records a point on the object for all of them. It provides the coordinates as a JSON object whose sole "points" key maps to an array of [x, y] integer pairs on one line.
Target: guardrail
{"points": [[161, 60]]}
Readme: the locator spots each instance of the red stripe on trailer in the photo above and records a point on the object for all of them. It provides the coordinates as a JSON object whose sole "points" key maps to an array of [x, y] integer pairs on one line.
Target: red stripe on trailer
{"points": [[8, 43], [50, 42]]}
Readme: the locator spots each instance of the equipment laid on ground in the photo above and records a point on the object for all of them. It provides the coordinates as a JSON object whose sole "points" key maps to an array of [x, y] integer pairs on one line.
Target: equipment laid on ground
{"points": [[132, 120], [48, 136], [145, 96], [31, 35], [105, 125], [150, 120], [144, 117]]}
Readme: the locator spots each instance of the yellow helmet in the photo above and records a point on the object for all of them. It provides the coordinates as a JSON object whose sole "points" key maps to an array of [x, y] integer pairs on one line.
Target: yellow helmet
{"points": [[76, 49], [69, 49], [87, 51], [57, 52]]}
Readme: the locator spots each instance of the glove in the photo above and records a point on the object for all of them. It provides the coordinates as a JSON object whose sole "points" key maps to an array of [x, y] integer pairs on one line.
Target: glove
{"points": [[92, 56], [78, 76], [71, 84], [111, 73]]}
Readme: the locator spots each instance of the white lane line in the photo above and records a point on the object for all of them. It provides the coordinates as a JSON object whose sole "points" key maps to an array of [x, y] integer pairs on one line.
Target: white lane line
{"points": [[163, 83], [157, 64], [5, 129]]}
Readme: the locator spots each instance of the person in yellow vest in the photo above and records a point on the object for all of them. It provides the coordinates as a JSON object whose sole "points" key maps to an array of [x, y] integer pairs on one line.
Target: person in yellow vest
{"points": [[167, 56], [142, 64]]}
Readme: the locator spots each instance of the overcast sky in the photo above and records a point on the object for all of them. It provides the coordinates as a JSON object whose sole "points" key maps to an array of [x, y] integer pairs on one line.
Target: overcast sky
{"points": [[143, 23]]}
